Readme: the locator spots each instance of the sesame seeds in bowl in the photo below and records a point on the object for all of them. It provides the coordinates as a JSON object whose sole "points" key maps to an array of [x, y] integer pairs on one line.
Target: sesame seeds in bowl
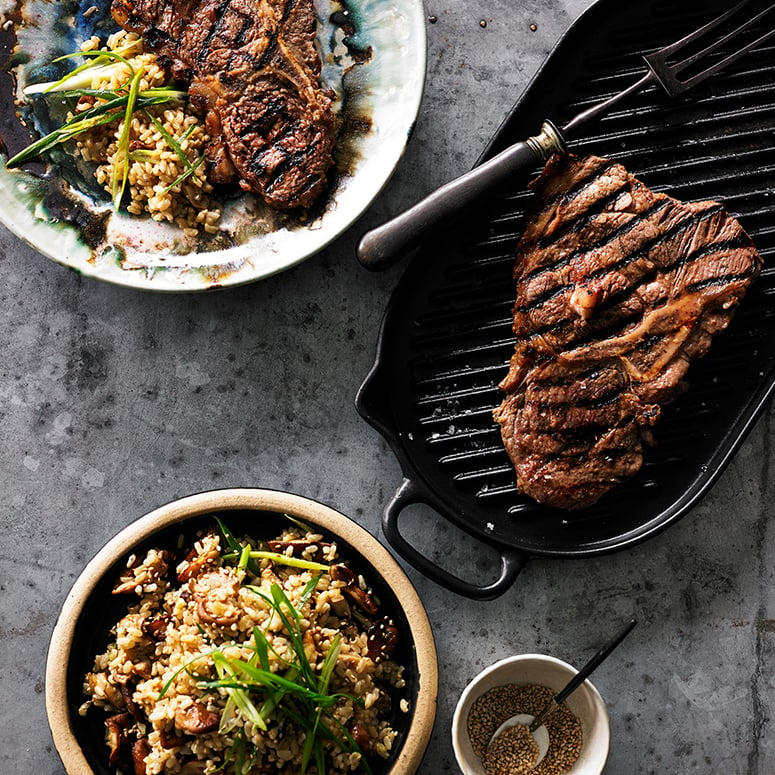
{"points": [[578, 731]]}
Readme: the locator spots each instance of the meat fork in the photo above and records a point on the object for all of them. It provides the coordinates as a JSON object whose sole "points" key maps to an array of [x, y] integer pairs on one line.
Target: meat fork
{"points": [[383, 246]]}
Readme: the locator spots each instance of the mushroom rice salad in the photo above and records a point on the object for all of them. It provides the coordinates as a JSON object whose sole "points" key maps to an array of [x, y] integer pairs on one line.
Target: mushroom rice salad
{"points": [[248, 657]]}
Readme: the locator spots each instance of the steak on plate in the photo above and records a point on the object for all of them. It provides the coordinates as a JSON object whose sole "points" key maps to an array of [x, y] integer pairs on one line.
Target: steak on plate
{"points": [[618, 289], [253, 68]]}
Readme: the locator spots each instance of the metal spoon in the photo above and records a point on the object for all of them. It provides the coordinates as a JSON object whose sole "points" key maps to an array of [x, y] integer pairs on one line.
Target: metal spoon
{"points": [[535, 724], [540, 735]]}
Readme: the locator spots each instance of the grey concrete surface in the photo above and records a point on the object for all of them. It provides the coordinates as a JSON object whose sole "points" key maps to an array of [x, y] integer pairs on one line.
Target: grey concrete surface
{"points": [[113, 402]]}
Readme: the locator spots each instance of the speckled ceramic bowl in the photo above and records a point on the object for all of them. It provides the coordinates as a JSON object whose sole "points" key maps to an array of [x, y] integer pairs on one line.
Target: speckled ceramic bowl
{"points": [[89, 611], [585, 703]]}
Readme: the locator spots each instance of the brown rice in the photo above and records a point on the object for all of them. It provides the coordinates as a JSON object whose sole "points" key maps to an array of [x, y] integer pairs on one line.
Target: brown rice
{"points": [[155, 167], [163, 653]]}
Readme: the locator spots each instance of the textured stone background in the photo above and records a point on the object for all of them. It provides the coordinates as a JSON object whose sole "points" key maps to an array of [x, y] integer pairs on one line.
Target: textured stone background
{"points": [[113, 402]]}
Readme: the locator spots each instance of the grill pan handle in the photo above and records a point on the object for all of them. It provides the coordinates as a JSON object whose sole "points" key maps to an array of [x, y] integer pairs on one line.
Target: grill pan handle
{"points": [[512, 560], [381, 247]]}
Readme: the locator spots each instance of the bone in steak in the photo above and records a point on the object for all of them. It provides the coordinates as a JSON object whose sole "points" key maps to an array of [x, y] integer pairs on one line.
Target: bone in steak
{"points": [[253, 68], [618, 289]]}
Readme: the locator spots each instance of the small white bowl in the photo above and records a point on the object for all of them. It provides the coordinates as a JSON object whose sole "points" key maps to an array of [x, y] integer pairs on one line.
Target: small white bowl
{"points": [[585, 703]]}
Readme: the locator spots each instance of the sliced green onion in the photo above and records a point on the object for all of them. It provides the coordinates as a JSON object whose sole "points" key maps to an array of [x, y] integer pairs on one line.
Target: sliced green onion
{"points": [[144, 154], [302, 525], [244, 560], [66, 132], [225, 666], [281, 559], [88, 119], [329, 663], [184, 176], [302, 694], [97, 54], [234, 546], [276, 697], [309, 588], [83, 74], [310, 741], [231, 540], [261, 648], [113, 104], [122, 151], [169, 139], [238, 755]]}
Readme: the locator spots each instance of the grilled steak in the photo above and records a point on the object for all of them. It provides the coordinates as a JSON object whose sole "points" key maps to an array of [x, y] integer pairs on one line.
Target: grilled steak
{"points": [[618, 289], [253, 69]]}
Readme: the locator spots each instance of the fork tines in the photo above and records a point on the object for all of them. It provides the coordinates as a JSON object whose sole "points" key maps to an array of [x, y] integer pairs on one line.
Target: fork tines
{"points": [[669, 74]]}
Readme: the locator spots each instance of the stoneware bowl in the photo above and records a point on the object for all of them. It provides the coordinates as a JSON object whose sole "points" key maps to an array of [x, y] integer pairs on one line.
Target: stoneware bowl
{"points": [[585, 703], [89, 611]]}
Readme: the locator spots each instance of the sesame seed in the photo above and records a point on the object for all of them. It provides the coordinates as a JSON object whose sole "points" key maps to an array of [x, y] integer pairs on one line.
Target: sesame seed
{"points": [[499, 704], [512, 752]]}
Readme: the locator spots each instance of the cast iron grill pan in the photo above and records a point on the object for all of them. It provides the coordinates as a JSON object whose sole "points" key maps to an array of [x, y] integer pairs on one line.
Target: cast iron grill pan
{"points": [[446, 337]]}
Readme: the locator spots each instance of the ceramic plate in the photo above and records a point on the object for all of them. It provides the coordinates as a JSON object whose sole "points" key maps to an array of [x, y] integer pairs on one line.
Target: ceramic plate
{"points": [[383, 92]]}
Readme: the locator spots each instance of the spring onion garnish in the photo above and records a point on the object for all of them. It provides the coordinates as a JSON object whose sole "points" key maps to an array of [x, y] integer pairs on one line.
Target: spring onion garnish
{"points": [[302, 693], [109, 105], [170, 140], [280, 559], [303, 526], [82, 76], [100, 114], [235, 547], [240, 755], [121, 161], [238, 694], [185, 175], [236, 553], [256, 690]]}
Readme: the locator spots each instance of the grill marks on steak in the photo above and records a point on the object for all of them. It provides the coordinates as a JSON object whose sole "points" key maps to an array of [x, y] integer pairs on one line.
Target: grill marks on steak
{"points": [[254, 70], [618, 289]]}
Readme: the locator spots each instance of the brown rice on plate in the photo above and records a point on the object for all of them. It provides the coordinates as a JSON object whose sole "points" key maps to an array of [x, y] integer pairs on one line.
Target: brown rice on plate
{"points": [[247, 657], [159, 182]]}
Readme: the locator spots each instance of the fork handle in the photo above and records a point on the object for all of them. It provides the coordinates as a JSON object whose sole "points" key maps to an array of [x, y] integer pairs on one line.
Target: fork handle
{"points": [[381, 247]]}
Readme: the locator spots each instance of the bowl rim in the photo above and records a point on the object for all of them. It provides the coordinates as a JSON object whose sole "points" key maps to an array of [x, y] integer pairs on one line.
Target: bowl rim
{"points": [[242, 499], [565, 670]]}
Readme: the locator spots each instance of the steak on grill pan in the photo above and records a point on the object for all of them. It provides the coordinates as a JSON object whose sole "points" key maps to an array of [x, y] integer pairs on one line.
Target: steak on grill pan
{"points": [[253, 69], [618, 289]]}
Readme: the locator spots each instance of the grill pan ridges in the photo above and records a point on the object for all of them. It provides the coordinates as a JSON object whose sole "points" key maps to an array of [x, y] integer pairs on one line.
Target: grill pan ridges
{"points": [[446, 337]]}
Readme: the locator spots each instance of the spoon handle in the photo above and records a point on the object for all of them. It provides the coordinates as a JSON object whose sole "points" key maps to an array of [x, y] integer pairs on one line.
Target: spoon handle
{"points": [[581, 676], [585, 671]]}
